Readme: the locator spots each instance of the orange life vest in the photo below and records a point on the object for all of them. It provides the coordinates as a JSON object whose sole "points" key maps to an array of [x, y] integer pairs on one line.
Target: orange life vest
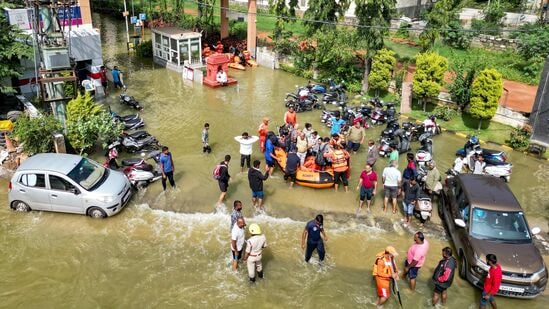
{"points": [[339, 163], [383, 267]]}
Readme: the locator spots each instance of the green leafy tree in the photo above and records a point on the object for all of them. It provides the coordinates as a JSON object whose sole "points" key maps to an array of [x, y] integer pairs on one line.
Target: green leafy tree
{"points": [[373, 17], [429, 76], [285, 12], [456, 37], [88, 123], [382, 68], [12, 50], [535, 44], [340, 63], [493, 13], [485, 93], [437, 18], [465, 71], [35, 134], [327, 12]]}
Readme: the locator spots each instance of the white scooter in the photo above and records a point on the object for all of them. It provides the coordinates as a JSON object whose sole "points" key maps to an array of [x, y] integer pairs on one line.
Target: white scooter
{"points": [[141, 174]]}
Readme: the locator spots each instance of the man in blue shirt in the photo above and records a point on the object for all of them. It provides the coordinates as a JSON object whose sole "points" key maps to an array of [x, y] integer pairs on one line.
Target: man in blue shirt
{"points": [[269, 154], [312, 233], [337, 123], [166, 166], [116, 78]]}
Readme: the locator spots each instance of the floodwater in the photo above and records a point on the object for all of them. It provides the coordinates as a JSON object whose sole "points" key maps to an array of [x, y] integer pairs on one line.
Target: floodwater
{"points": [[172, 249]]}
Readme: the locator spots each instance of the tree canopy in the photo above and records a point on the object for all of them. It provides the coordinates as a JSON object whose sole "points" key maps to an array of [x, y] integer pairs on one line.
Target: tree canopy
{"points": [[429, 75], [326, 11], [382, 68], [485, 93], [12, 50]]}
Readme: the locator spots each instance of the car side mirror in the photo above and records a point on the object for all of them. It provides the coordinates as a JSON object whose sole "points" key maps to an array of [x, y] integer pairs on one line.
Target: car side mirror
{"points": [[460, 222], [74, 191], [536, 230]]}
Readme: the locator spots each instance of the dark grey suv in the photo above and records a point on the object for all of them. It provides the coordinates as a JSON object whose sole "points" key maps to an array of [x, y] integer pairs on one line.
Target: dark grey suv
{"points": [[483, 216]]}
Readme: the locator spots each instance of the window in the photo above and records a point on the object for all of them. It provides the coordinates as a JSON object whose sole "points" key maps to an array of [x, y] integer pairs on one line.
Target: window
{"points": [[501, 226], [88, 174], [33, 180], [58, 183]]}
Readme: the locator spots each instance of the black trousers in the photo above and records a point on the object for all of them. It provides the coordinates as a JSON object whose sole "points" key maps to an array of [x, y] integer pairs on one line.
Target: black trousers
{"points": [[169, 176], [245, 158]]}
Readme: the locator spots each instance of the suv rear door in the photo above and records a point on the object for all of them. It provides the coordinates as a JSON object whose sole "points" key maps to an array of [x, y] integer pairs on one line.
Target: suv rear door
{"points": [[64, 196]]}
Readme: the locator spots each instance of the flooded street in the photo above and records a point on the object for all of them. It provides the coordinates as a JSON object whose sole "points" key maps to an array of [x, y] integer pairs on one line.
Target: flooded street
{"points": [[172, 249]]}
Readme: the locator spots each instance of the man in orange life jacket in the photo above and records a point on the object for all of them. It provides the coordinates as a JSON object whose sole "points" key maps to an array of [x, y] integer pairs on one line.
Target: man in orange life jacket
{"points": [[385, 270], [340, 164]]}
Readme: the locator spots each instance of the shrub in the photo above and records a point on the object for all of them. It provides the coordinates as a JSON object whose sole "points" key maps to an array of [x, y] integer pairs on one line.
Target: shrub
{"points": [[403, 30], [36, 133], [519, 138], [485, 93], [145, 49], [239, 30], [445, 112], [456, 37]]}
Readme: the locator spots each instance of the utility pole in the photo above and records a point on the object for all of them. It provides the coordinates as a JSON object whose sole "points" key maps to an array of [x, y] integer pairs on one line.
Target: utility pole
{"points": [[126, 13]]}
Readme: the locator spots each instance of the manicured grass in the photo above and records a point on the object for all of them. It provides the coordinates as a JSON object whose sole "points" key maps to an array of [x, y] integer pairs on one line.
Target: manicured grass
{"points": [[464, 123]]}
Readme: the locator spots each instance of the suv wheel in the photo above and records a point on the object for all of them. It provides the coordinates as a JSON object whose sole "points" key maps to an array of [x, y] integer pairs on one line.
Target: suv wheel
{"points": [[463, 267], [96, 213], [20, 206]]}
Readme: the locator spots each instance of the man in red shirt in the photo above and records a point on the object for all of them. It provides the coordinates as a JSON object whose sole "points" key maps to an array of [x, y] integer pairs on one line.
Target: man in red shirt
{"points": [[367, 184], [491, 283]]}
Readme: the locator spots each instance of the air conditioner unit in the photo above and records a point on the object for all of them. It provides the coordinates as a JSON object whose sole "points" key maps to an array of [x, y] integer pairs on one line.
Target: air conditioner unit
{"points": [[56, 58]]}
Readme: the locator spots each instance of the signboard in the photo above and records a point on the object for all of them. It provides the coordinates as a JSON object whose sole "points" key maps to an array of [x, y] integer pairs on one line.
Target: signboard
{"points": [[71, 13], [142, 16], [133, 19]]}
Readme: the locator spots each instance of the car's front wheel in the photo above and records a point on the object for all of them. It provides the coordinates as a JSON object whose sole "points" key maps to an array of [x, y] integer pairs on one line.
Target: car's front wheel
{"points": [[96, 212], [463, 267], [20, 206]]}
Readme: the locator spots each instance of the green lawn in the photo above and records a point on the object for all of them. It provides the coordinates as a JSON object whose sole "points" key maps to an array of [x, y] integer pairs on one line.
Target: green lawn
{"points": [[464, 123]]}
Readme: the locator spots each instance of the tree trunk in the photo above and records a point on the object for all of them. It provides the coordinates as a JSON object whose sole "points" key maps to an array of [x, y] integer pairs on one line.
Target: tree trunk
{"points": [[367, 68], [424, 105], [479, 124]]}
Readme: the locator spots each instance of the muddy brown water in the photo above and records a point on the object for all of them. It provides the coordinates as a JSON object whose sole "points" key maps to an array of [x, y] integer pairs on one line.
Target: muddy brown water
{"points": [[172, 249]]}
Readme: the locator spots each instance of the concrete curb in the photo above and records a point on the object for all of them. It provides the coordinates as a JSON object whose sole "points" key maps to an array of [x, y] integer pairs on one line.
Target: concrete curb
{"points": [[465, 136]]}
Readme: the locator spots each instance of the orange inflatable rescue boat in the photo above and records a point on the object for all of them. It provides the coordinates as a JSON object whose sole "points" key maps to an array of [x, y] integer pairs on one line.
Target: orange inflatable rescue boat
{"points": [[308, 175]]}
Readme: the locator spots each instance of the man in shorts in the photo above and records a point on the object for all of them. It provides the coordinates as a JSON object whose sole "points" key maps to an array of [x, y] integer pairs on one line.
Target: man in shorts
{"points": [[415, 258], [411, 191], [391, 185], [492, 282], [237, 241], [256, 179], [367, 184], [444, 275], [223, 180]]}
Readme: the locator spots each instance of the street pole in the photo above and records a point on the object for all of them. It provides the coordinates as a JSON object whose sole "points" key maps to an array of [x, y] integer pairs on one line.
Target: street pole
{"points": [[127, 27]]}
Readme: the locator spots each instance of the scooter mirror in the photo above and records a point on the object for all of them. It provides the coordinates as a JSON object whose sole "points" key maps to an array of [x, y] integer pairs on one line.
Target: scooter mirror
{"points": [[536, 230]]}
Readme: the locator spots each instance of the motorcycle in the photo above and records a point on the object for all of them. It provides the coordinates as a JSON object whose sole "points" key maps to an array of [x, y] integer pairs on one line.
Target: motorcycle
{"points": [[139, 172], [380, 115], [130, 122], [336, 95], [130, 101], [496, 160], [131, 144], [302, 100], [425, 153], [318, 88], [423, 208]]}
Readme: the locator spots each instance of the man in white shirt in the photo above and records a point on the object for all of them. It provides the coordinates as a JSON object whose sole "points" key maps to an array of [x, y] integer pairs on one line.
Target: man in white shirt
{"points": [[254, 250], [221, 76], [246, 142], [391, 184], [237, 240], [458, 163]]}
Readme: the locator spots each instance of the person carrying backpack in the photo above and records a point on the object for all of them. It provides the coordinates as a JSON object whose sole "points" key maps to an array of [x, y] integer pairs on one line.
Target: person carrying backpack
{"points": [[323, 148], [221, 173]]}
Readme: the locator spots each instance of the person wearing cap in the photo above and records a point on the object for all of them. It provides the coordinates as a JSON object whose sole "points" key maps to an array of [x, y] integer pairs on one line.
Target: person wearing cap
{"points": [[262, 131], [314, 233], [383, 271], [237, 240], [245, 142], [254, 250]]}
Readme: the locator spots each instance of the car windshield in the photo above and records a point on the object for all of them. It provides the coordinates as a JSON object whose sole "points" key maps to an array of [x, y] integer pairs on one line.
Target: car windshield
{"points": [[87, 173], [501, 226]]}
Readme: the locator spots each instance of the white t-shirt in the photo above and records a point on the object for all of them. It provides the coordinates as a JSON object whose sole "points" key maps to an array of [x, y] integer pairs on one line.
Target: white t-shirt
{"points": [[221, 77], [458, 164], [392, 176], [479, 167], [237, 234], [246, 144]]}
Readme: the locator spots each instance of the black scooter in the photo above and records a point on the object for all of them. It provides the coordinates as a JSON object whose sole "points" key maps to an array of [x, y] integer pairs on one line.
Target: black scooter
{"points": [[130, 101]]}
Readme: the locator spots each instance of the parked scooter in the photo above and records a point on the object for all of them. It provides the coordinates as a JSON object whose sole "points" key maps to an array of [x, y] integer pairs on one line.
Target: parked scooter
{"points": [[130, 101], [336, 94], [139, 172], [496, 160], [380, 115], [131, 122], [318, 88], [302, 100], [425, 153], [145, 143]]}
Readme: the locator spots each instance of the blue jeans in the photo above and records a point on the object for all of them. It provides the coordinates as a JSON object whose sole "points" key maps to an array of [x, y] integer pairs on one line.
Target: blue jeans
{"points": [[484, 302], [311, 246]]}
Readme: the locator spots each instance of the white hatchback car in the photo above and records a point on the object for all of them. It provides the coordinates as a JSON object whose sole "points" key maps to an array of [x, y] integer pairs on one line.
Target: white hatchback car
{"points": [[68, 183]]}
